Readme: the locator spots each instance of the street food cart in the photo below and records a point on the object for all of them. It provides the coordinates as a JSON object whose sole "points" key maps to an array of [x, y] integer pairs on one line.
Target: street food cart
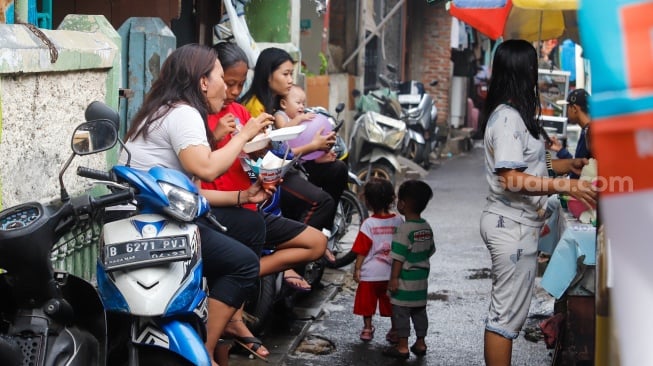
{"points": [[570, 278]]}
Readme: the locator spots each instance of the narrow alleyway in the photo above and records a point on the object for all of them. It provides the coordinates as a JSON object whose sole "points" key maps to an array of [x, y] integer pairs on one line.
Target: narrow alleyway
{"points": [[459, 290]]}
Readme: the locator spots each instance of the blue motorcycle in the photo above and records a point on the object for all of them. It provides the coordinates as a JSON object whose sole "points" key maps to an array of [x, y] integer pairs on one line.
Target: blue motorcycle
{"points": [[149, 271]]}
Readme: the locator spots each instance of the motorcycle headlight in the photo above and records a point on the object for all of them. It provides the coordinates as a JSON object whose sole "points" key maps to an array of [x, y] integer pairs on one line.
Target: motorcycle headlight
{"points": [[395, 138], [385, 130], [374, 131], [183, 204]]}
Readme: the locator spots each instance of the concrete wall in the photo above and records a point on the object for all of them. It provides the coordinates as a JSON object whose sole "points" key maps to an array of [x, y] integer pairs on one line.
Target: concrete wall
{"points": [[41, 102], [310, 41]]}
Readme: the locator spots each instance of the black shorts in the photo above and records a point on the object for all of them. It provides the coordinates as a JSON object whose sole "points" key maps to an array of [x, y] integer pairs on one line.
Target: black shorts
{"points": [[279, 229]]}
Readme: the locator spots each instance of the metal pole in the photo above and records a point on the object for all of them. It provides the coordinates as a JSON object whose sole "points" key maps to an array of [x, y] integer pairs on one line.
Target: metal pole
{"points": [[369, 38], [539, 36]]}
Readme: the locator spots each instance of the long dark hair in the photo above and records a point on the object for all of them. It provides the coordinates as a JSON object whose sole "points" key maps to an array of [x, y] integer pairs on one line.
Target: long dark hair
{"points": [[514, 82], [178, 83], [229, 54], [268, 61]]}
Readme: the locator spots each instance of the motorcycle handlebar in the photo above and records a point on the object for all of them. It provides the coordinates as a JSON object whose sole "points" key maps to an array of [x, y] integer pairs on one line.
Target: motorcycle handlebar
{"points": [[338, 126], [83, 171], [113, 199]]}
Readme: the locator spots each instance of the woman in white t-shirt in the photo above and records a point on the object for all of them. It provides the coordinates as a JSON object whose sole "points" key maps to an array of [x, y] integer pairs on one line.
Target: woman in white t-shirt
{"points": [[170, 130], [516, 169]]}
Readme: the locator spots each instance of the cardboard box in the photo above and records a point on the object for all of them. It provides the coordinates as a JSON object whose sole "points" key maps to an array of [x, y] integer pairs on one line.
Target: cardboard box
{"points": [[317, 91]]}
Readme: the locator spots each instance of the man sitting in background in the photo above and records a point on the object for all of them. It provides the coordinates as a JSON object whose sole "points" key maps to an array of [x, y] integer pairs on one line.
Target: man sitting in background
{"points": [[577, 113]]}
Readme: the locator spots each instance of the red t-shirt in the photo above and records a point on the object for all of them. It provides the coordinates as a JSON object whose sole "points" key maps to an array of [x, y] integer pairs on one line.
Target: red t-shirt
{"points": [[235, 178]]}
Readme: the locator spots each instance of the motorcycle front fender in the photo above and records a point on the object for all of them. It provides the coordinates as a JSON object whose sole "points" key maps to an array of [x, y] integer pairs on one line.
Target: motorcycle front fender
{"points": [[416, 136], [185, 341], [379, 154]]}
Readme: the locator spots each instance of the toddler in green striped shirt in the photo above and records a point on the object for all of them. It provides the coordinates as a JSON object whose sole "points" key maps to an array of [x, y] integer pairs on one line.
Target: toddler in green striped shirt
{"points": [[412, 247]]}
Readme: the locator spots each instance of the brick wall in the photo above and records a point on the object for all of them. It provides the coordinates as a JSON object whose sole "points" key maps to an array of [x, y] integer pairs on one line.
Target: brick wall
{"points": [[429, 48]]}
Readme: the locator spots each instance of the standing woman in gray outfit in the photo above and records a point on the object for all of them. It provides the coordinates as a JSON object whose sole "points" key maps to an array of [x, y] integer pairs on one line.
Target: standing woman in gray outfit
{"points": [[518, 178]]}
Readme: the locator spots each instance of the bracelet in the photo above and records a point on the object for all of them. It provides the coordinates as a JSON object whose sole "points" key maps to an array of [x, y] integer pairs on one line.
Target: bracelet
{"points": [[238, 199], [549, 165]]}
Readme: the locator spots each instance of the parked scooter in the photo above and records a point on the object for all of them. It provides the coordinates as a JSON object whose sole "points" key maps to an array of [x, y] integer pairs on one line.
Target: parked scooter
{"points": [[376, 139], [420, 114]]}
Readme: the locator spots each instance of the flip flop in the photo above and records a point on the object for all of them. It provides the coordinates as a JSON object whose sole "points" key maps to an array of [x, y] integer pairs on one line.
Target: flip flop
{"points": [[418, 352], [294, 286], [255, 345], [394, 353]]}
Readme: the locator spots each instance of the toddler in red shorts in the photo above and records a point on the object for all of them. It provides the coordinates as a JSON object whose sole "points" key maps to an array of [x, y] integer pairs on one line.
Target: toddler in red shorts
{"points": [[373, 262]]}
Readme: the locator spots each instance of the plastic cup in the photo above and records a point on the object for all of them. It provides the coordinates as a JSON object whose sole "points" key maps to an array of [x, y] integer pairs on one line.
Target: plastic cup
{"points": [[270, 177]]}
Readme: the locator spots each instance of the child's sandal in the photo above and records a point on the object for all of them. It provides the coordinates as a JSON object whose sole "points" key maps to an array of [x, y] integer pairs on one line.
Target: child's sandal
{"points": [[367, 334]]}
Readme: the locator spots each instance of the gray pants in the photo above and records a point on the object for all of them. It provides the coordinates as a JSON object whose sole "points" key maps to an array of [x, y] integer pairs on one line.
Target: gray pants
{"points": [[513, 248], [401, 316]]}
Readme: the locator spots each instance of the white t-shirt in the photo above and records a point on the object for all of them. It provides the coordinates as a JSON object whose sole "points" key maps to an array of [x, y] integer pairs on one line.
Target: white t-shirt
{"points": [[180, 128], [377, 236], [508, 144]]}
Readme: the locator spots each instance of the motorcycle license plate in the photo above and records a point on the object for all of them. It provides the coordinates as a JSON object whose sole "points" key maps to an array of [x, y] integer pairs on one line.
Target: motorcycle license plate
{"points": [[145, 252]]}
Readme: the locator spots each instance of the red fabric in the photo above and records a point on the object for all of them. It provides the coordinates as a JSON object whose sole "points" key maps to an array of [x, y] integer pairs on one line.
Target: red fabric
{"points": [[235, 178], [551, 329], [489, 21], [367, 295], [363, 243]]}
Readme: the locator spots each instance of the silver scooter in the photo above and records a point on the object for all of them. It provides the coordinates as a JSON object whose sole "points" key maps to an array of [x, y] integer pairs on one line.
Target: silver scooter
{"points": [[376, 139], [420, 114]]}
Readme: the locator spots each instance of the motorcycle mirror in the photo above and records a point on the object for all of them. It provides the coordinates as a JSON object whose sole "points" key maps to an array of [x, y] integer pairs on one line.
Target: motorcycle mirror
{"points": [[340, 107], [94, 136], [384, 81], [433, 83], [392, 68], [99, 110], [355, 93]]}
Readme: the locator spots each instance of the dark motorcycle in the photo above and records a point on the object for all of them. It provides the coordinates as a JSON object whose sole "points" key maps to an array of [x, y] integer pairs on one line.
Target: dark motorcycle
{"points": [[350, 213], [48, 316]]}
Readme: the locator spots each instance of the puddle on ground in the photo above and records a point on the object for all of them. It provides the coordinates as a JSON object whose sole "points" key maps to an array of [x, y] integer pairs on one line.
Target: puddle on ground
{"points": [[479, 274], [438, 296], [316, 345]]}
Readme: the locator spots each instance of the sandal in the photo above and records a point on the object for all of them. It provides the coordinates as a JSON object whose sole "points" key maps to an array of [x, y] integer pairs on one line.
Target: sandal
{"points": [[250, 344], [255, 343], [394, 353], [418, 352], [296, 282], [367, 334]]}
